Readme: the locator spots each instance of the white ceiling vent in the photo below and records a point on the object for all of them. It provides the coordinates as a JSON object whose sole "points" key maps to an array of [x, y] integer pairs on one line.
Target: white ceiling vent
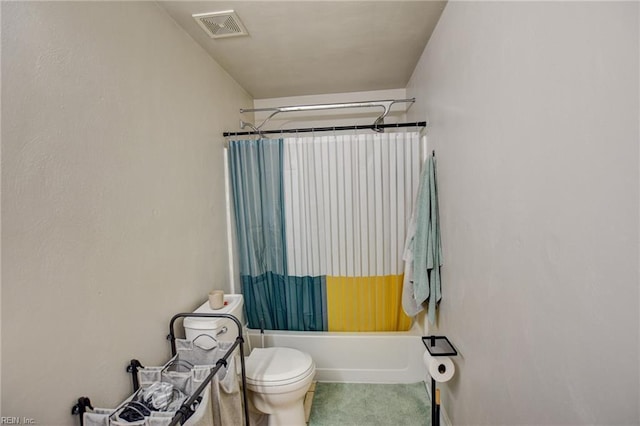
{"points": [[221, 24]]}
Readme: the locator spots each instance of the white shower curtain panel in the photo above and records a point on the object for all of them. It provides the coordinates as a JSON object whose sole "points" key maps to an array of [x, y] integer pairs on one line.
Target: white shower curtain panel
{"points": [[348, 200]]}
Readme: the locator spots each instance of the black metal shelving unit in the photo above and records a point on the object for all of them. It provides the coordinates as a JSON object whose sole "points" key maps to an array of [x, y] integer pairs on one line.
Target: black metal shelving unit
{"points": [[186, 410]]}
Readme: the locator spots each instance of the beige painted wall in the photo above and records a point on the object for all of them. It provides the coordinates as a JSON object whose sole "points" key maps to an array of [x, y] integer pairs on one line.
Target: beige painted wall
{"points": [[534, 118], [112, 195]]}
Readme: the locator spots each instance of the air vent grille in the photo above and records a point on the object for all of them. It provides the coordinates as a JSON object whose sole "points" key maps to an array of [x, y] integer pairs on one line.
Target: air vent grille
{"points": [[221, 24]]}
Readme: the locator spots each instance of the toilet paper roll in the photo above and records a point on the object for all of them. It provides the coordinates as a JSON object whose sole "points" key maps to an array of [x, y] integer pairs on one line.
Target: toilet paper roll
{"points": [[440, 368]]}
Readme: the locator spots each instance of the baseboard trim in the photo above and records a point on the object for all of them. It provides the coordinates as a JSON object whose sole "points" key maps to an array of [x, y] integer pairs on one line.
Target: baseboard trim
{"points": [[444, 418]]}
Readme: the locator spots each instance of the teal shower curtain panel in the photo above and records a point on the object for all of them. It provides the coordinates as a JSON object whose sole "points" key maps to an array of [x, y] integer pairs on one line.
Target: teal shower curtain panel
{"points": [[274, 300]]}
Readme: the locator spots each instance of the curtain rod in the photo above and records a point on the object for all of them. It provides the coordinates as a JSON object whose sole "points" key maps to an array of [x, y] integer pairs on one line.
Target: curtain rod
{"points": [[384, 104], [316, 107], [328, 129]]}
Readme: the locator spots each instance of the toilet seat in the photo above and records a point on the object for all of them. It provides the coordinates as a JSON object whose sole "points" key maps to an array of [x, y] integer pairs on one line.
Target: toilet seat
{"points": [[277, 366]]}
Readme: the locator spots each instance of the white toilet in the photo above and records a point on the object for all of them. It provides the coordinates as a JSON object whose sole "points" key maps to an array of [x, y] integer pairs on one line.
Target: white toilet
{"points": [[277, 378]]}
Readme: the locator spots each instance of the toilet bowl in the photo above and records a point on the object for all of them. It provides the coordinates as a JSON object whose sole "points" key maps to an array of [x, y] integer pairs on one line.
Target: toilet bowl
{"points": [[277, 381], [277, 378]]}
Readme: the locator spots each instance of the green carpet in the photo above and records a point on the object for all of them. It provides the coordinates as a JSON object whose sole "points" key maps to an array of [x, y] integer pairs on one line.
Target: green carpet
{"points": [[345, 404]]}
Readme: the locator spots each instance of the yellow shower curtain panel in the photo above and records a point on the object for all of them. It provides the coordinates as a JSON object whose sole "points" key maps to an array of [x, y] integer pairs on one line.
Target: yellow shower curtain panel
{"points": [[366, 304]]}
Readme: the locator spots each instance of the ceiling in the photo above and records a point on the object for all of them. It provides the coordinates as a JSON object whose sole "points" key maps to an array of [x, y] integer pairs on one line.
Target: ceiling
{"points": [[299, 48]]}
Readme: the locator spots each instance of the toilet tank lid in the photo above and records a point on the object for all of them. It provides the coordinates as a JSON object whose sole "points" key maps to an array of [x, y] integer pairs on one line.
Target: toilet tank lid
{"points": [[233, 304], [277, 366]]}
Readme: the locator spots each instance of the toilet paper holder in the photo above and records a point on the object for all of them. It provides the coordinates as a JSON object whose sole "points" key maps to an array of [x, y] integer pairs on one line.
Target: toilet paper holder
{"points": [[437, 346]]}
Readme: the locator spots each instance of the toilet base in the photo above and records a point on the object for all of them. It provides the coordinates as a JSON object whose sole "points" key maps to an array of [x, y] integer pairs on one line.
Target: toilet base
{"points": [[291, 416], [287, 414]]}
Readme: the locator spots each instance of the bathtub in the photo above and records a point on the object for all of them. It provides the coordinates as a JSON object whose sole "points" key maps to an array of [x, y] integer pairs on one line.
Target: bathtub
{"points": [[344, 357]]}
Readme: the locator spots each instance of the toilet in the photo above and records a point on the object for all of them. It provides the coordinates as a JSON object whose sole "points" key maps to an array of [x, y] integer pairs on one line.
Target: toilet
{"points": [[277, 378]]}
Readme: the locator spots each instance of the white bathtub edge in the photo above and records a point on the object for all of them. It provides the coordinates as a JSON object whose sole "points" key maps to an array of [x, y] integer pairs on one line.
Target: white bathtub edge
{"points": [[344, 357]]}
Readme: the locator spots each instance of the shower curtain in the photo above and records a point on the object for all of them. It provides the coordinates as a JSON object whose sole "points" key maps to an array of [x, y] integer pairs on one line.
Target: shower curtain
{"points": [[320, 228]]}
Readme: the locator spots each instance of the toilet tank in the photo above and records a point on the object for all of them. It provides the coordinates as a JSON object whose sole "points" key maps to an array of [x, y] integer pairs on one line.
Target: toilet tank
{"points": [[222, 329]]}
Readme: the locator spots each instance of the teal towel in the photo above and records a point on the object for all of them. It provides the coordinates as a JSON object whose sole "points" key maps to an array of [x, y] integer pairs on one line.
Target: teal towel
{"points": [[427, 247]]}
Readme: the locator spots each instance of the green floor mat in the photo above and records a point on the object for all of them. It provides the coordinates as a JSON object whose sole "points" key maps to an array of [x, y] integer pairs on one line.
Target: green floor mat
{"points": [[345, 404]]}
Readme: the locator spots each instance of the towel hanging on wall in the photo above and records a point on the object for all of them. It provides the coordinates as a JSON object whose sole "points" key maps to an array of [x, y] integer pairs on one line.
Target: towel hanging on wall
{"points": [[423, 248]]}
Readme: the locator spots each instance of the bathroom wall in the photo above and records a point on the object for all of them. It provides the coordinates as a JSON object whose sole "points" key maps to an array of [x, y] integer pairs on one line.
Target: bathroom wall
{"points": [[113, 208], [534, 113]]}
